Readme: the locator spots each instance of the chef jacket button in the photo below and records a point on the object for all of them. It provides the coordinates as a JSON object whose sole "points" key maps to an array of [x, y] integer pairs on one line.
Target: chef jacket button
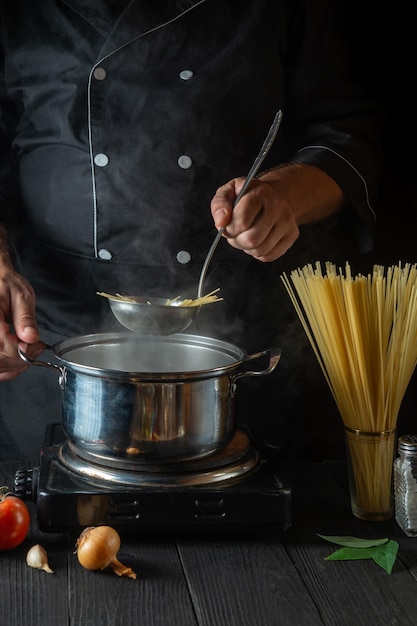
{"points": [[185, 162], [101, 160], [183, 257], [99, 73], [186, 74], [105, 254]]}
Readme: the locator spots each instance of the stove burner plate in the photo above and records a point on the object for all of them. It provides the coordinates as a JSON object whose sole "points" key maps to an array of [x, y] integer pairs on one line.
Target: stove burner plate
{"points": [[244, 492], [235, 460]]}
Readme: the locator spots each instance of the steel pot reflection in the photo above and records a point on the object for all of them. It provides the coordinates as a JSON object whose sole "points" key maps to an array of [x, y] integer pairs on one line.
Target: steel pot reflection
{"points": [[129, 399]]}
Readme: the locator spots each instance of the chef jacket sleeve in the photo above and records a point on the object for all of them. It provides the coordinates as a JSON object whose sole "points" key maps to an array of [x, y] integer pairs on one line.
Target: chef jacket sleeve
{"points": [[337, 111], [8, 167]]}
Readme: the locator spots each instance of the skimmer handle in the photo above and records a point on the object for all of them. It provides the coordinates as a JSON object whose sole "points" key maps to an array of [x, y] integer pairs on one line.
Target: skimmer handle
{"points": [[251, 175]]}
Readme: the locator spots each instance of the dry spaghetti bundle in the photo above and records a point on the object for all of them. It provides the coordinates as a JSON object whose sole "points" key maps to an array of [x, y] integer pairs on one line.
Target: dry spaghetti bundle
{"points": [[363, 330]]}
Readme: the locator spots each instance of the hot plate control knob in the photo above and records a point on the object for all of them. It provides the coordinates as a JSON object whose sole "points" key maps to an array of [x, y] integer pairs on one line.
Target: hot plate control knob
{"points": [[24, 483]]}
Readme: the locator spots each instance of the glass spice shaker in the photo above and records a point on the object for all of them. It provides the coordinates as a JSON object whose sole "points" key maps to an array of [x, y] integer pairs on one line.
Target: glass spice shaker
{"points": [[405, 485]]}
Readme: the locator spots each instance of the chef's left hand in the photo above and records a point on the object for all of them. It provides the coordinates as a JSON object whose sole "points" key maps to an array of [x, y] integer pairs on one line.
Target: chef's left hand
{"points": [[265, 222]]}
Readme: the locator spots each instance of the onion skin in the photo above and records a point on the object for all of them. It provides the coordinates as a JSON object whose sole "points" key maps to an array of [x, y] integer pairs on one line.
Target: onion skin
{"points": [[97, 548]]}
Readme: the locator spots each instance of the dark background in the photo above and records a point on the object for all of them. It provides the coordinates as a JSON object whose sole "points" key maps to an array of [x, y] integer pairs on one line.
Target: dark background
{"points": [[387, 50]]}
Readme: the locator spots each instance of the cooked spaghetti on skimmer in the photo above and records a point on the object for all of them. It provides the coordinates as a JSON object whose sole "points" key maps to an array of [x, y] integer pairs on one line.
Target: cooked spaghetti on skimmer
{"points": [[209, 298]]}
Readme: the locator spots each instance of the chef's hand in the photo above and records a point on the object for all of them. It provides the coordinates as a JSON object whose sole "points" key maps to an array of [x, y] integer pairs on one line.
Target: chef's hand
{"points": [[17, 311], [265, 222]]}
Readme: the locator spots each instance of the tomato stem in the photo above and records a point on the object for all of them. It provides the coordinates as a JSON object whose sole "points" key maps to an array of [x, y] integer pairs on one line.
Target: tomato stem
{"points": [[4, 491]]}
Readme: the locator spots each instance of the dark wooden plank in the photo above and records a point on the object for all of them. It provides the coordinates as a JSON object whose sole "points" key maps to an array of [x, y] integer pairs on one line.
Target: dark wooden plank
{"points": [[245, 580], [159, 596]]}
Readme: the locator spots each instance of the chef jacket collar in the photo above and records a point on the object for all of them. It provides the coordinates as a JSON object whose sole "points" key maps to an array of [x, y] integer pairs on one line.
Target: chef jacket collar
{"points": [[135, 21]]}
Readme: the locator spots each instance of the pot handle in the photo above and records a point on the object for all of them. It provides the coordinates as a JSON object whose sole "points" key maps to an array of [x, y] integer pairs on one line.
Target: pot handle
{"points": [[274, 354], [29, 361]]}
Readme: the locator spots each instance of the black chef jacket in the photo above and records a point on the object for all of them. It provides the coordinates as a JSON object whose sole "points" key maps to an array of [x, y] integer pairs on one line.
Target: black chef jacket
{"points": [[124, 118], [118, 121]]}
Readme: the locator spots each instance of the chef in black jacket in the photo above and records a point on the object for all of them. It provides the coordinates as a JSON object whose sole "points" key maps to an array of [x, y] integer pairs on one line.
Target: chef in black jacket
{"points": [[121, 123]]}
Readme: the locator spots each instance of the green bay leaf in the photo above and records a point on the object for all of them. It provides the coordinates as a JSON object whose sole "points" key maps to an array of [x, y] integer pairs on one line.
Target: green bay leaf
{"points": [[386, 555], [353, 542], [351, 554], [383, 555]]}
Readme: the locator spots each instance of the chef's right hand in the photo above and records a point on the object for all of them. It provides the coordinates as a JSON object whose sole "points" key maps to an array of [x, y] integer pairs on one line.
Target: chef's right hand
{"points": [[18, 326]]}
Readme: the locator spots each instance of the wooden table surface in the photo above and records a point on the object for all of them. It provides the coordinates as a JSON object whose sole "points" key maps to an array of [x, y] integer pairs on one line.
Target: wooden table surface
{"points": [[222, 579]]}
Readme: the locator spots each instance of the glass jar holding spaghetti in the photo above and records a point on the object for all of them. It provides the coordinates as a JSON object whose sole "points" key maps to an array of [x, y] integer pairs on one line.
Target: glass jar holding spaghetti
{"points": [[369, 457], [363, 331]]}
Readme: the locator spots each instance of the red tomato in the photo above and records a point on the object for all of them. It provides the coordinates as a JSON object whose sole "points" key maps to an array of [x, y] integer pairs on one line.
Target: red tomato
{"points": [[14, 521]]}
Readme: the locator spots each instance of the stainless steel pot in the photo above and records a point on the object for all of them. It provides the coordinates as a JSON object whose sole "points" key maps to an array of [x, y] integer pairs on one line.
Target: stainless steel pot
{"points": [[129, 399]]}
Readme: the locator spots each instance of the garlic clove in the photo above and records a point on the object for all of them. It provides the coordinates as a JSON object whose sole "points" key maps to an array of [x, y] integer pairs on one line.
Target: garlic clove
{"points": [[38, 558]]}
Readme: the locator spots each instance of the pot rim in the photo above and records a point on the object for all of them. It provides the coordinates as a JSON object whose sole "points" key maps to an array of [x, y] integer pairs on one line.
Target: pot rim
{"points": [[65, 346]]}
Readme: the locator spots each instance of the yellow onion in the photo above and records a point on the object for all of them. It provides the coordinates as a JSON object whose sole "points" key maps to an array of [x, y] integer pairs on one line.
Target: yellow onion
{"points": [[97, 548]]}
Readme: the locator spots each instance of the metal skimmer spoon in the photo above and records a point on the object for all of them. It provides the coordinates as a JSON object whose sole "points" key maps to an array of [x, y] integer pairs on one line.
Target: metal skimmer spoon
{"points": [[152, 316], [269, 139]]}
